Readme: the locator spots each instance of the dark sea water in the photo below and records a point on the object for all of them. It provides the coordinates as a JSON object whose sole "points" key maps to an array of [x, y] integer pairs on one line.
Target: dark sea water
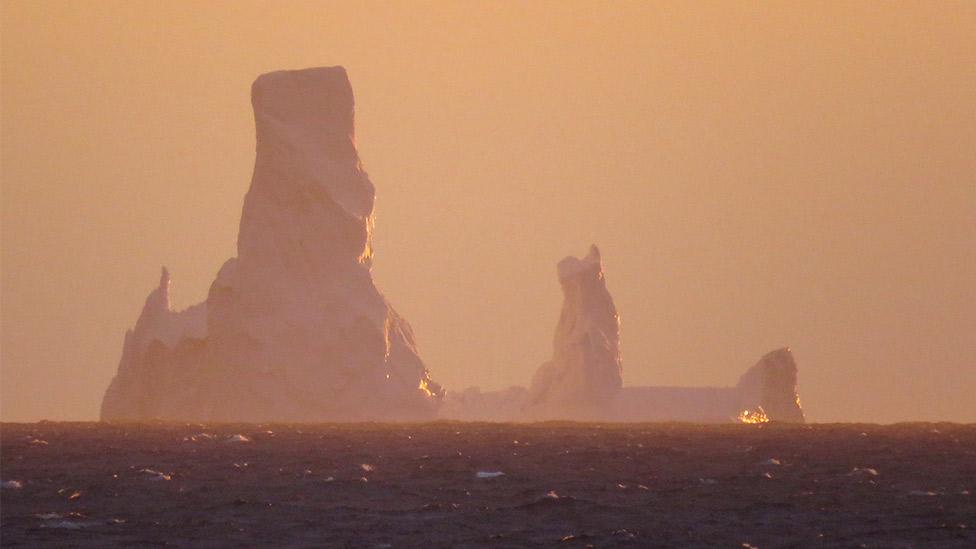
{"points": [[416, 485]]}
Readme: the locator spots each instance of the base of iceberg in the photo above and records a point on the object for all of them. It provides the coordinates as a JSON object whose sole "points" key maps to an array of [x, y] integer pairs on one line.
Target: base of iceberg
{"points": [[766, 392]]}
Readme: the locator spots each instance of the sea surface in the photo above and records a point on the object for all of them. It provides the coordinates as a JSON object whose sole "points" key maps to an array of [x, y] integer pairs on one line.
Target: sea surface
{"points": [[418, 485]]}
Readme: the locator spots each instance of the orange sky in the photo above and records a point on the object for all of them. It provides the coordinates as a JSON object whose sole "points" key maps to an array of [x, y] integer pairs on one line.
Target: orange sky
{"points": [[756, 175]]}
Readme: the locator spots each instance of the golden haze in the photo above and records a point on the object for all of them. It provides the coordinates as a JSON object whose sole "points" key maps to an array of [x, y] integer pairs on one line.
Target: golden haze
{"points": [[756, 175]]}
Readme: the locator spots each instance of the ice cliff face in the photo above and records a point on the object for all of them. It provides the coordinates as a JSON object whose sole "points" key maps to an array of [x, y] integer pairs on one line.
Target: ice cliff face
{"points": [[145, 381], [584, 374], [293, 328]]}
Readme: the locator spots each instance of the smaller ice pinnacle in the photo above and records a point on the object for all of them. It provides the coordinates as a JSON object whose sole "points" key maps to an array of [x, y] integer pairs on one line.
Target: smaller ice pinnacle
{"points": [[584, 374]]}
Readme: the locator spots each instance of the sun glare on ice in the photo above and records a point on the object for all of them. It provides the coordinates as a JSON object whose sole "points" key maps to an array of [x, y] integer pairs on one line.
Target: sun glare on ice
{"points": [[425, 388], [753, 416]]}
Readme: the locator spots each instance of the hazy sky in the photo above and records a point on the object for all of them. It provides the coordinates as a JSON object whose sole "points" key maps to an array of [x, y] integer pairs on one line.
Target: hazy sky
{"points": [[756, 175]]}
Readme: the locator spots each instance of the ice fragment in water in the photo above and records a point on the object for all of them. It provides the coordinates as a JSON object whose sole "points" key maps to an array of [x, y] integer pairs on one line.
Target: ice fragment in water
{"points": [[237, 439], [66, 525], [863, 471], [489, 474], [155, 475]]}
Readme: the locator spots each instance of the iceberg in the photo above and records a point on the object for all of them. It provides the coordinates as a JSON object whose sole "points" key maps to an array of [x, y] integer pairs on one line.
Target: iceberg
{"points": [[584, 379], [584, 375], [293, 327], [766, 392]]}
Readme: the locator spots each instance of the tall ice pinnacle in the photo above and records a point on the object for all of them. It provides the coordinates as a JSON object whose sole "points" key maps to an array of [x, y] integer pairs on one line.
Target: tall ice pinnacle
{"points": [[295, 328]]}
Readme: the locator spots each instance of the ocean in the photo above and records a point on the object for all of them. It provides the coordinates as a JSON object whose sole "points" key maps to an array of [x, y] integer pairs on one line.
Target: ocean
{"points": [[487, 485]]}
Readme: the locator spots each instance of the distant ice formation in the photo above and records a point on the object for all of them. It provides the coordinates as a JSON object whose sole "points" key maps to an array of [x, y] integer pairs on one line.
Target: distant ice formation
{"points": [[293, 328], [583, 380], [769, 389], [473, 404], [766, 392], [584, 376]]}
